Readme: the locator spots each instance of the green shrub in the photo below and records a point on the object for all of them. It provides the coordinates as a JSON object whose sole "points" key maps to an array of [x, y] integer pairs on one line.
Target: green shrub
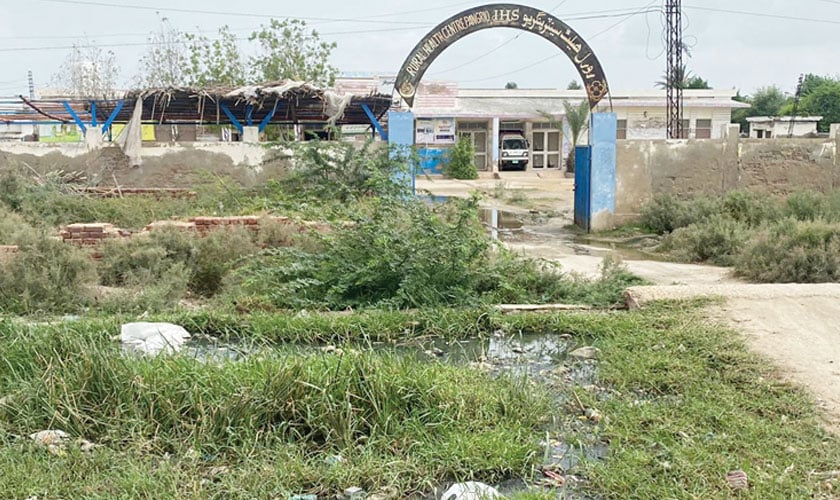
{"points": [[793, 252], [807, 206], [751, 209], [461, 162], [149, 259], [665, 213], [341, 172], [46, 275], [716, 240]]}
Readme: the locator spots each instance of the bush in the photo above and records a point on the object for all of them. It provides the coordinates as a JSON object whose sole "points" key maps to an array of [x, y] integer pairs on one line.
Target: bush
{"points": [[341, 172], [150, 259], [461, 163], [716, 240], [751, 209], [46, 275], [665, 213], [403, 254], [793, 252], [807, 206]]}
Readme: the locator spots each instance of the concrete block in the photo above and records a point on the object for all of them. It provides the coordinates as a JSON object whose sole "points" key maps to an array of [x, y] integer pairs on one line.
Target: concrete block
{"points": [[251, 134]]}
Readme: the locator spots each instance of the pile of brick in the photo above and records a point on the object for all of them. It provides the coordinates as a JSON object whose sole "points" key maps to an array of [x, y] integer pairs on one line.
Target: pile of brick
{"points": [[206, 224], [91, 234], [117, 192]]}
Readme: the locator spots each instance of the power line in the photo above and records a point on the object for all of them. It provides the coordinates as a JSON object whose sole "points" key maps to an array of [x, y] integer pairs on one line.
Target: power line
{"points": [[217, 12], [489, 52], [762, 14], [645, 10], [186, 42], [572, 17]]}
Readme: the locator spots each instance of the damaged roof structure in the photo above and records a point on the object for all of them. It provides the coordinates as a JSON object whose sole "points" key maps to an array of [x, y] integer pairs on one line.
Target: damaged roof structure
{"points": [[280, 102]]}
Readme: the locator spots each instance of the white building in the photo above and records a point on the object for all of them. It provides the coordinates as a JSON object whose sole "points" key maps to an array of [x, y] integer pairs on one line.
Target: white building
{"points": [[769, 127], [444, 111]]}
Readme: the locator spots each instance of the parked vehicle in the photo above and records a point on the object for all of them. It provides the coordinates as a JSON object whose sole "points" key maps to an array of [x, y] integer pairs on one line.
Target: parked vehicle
{"points": [[513, 151]]}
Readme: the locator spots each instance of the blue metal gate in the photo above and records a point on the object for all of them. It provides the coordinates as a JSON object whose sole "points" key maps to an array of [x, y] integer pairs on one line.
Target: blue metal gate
{"points": [[583, 187]]}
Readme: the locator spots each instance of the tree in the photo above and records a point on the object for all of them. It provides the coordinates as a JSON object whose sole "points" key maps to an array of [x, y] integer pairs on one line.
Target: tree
{"points": [[574, 85], [577, 118], [511, 85], [696, 82], [684, 79], [289, 52], [165, 62], [214, 62], [88, 72], [823, 99], [767, 101]]}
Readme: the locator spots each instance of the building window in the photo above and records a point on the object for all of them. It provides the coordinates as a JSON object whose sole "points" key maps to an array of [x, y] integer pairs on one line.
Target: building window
{"points": [[621, 131], [703, 129]]}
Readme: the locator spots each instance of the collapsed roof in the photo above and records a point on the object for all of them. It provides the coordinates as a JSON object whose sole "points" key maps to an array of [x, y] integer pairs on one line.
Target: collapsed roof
{"points": [[280, 102]]}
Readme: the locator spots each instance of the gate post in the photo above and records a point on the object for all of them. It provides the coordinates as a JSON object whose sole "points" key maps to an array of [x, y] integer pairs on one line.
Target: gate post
{"points": [[401, 140], [602, 137], [583, 186]]}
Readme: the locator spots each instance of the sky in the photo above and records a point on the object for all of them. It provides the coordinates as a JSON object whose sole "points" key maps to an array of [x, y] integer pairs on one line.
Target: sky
{"points": [[740, 44]]}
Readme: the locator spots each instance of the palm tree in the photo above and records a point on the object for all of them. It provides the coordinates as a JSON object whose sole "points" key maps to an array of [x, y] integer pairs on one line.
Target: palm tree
{"points": [[577, 117]]}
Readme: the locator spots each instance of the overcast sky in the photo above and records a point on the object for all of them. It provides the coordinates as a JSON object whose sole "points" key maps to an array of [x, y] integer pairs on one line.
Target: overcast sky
{"points": [[731, 50]]}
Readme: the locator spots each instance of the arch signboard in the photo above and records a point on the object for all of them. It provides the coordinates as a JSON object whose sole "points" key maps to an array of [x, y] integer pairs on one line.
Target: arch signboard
{"points": [[503, 15]]}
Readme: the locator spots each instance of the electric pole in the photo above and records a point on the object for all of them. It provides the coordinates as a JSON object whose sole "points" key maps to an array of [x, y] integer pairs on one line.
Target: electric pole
{"points": [[674, 75]]}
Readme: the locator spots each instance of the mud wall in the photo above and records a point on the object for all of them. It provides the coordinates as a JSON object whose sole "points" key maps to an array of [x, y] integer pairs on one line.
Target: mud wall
{"points": [[687, 168], [166, 165]]}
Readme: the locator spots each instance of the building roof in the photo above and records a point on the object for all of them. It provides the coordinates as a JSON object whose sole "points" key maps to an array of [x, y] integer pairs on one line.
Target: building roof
{"points": [[783, 119], [528, 103]]}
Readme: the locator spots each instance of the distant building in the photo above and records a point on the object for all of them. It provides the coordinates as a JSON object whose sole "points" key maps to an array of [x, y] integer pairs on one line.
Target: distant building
{"points": [[769, 127]]}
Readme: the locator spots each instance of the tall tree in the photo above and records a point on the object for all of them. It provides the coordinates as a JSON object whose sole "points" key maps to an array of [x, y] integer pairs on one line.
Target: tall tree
{"points": [[88, 72], [165, 62], [288, 51], [214, 62], [574, 85]]}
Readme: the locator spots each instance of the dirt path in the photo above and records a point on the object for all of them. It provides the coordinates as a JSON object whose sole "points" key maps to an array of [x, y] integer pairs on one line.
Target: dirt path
{"points": [[794, 326]]}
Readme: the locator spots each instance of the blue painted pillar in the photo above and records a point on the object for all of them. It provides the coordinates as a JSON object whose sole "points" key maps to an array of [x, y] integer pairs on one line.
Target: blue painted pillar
{"points": [[401, 140], [602, 138]]}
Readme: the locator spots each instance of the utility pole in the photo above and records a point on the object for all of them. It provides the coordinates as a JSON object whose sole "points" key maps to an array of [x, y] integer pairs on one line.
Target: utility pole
{"points": [[674, 74], [796, 99], [31, 85]]}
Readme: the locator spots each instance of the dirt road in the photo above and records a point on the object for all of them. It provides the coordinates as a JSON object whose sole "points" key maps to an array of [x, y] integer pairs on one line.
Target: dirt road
{"points": [[796, 327]]}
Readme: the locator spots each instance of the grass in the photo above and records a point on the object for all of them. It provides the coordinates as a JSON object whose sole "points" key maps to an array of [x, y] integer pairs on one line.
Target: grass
{"points": [[690, 403], [685, 403], [273, 420]]}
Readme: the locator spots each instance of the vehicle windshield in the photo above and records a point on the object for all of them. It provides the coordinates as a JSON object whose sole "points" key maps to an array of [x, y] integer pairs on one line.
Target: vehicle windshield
{"points": [[514, 144]]}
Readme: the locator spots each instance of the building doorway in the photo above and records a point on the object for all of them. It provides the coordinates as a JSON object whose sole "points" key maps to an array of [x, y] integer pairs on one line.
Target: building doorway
{"points": [[548, 147]]}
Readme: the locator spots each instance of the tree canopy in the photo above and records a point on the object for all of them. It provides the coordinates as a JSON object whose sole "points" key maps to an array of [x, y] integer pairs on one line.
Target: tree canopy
{"points": [[283, 50]]}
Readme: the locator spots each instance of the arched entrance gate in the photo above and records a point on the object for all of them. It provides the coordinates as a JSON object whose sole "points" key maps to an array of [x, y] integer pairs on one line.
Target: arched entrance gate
{"points": [[593, 201]]}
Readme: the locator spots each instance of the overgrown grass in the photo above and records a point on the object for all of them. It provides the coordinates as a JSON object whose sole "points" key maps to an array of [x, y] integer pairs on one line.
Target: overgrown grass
{"points": [[52, 203], [274, 419], [690, 404], [685, 403]]}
